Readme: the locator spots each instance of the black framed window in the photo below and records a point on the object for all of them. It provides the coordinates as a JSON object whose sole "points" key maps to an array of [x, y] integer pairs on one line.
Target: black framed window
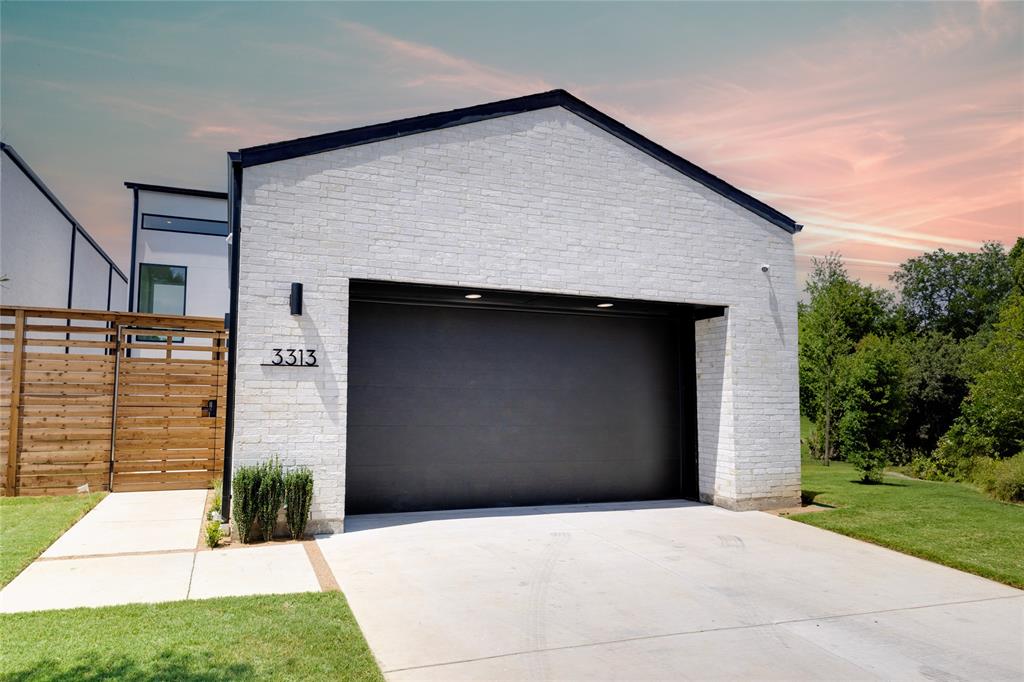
{"points": [[162, 290], [152, 221]]}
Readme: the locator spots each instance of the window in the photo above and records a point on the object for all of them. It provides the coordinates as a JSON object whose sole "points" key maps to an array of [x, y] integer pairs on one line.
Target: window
{"points": [[161, 290], [191, 225]]}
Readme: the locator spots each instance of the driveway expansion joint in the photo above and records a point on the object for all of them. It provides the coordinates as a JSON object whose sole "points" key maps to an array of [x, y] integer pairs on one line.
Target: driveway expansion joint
{"points": [[683, 633]]}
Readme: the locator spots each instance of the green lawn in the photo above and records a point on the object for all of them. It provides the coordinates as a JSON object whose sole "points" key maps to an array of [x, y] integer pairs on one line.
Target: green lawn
{"points": [[28, 525], [949, 523], [294, 637]]}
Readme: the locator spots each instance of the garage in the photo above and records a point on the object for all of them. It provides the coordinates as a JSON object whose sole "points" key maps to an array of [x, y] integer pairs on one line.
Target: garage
{"points": [[512, 399], [632, 335]]}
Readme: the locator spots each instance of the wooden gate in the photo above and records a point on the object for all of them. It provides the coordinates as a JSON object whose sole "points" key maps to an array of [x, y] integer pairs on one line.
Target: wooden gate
{"points": [[168, 410], [121, 401]]}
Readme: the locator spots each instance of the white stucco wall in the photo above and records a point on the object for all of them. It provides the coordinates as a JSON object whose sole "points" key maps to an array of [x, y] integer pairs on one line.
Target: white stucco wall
{"points": [[541, 201], [205, 256], [35, 243], [92, 277]]}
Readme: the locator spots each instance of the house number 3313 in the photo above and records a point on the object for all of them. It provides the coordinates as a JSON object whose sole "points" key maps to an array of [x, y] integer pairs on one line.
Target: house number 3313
{"points": [[294, 357]]}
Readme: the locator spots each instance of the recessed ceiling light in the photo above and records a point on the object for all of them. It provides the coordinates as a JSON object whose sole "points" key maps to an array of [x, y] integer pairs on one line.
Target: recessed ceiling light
{"points": [[473, 296], [605, 305]]}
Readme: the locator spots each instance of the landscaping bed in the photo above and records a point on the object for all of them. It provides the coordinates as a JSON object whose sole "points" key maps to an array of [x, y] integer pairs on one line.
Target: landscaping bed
{"points": [[28, 525], [297, 636]]}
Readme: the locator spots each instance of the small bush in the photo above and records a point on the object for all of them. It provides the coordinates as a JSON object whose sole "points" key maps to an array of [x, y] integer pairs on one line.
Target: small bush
{"points": [[245, 499], [270, 496], [215, 484], [213, 534], [1002, 479], [298, 498], [870, 464]]}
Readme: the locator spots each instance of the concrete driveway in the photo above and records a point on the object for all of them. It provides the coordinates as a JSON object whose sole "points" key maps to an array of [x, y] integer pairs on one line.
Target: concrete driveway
{"points": [[661, 591]]}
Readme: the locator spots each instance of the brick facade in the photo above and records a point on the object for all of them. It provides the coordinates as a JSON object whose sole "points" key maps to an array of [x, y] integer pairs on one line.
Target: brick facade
{"points": [[541, 201]]}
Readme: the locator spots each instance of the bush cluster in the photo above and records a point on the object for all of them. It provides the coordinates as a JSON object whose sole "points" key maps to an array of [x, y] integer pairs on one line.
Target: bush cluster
{"points": [[1002, 479], [259, 491]]}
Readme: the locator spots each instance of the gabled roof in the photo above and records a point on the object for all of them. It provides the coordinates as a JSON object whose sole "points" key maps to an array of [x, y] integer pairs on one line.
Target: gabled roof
{"points": [[316, 144], [46, 192], [209, 194]]}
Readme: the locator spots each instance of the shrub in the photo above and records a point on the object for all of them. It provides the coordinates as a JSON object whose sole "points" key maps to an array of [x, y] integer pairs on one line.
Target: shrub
{"points": [[270, 496], [1002, 479], [298, 498], [874, 404], [213, 534], [244, 499]]}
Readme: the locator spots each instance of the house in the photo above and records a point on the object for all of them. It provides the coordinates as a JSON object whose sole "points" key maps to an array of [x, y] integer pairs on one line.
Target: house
{"points": [[179, 251], [48, 259], [518, 303]]}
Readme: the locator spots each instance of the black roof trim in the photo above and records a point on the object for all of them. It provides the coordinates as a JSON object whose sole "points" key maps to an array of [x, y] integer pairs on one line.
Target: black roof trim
{"points": [[184, 191], [41, 186], [315, 144]]}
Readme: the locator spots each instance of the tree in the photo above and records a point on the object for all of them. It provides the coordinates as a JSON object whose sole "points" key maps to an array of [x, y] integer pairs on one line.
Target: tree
{"points": [[873, 399], [936, 385], [993, 413], [863, 309], [840, 312], [1016, 258], [954, 293]]}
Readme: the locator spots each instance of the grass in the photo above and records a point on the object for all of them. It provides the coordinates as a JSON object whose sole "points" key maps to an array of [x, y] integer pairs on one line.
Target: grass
{"points": [[948, 523], [28, 525], [293, 637]]}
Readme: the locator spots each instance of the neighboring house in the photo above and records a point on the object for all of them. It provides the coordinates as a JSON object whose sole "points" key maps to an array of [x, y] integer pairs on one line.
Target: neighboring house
{"points": [[47, 257], [179, 251], [523, 302]]}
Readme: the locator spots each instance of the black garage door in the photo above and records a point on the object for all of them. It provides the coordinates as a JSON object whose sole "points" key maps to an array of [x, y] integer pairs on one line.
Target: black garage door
{"points": [[453, 407]]}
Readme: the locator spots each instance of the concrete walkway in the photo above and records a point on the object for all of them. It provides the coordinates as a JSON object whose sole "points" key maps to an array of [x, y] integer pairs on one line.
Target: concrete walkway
{"points": [[144, 547], [662, 591]]}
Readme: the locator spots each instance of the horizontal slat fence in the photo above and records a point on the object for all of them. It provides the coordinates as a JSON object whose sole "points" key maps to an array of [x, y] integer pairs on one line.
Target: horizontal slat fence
{"points": [[113, 400]]}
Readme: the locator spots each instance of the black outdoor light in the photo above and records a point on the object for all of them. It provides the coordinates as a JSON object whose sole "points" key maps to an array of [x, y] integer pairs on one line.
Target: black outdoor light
{"points": [[295, 298]]}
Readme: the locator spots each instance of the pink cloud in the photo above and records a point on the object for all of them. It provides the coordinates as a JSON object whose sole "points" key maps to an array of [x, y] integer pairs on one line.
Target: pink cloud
{"points": [[884, 144]]}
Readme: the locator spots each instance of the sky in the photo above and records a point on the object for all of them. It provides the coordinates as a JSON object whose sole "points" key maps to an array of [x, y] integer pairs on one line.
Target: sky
{"points": [[886, 129]]}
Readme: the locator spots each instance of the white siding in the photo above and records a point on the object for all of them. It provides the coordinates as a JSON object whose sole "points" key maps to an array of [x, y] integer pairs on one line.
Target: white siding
{"points": [[92, 277], [35, 243]]}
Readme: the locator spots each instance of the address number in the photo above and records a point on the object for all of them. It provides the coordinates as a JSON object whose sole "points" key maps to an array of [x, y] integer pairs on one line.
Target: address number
{"points": [[294, 357]]}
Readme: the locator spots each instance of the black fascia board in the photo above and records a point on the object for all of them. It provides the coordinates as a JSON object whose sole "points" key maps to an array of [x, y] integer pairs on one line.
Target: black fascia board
{"points": [[184, 191], [315, 144], [41, 186]]}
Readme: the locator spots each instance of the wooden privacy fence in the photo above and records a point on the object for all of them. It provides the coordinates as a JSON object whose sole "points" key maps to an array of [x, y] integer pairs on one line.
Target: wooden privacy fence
{"points": [[118, 401]]}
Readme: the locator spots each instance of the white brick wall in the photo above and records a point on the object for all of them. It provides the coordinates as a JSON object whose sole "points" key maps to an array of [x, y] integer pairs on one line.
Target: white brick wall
{"points": [[541, 201]]}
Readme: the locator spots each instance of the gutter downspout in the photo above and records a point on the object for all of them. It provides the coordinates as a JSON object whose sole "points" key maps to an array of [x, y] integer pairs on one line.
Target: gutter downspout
{"points": [[235, 229]]}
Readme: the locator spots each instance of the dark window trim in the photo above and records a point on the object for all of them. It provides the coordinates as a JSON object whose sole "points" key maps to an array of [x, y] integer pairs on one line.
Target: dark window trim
{"points": [[142, 225], [184, 191], [315, 144], [52, 198], [135, 240], [184, 299]]}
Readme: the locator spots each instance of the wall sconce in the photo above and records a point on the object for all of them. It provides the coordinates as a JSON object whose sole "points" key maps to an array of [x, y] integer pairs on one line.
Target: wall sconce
{"points": [[295, 298]]}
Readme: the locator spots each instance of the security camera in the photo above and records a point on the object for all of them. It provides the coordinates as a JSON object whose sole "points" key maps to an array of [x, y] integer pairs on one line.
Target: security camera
{"points": [[765, 267]]}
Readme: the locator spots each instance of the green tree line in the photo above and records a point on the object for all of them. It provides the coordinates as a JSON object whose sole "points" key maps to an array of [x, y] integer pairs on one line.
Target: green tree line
{"points": [[929, 376]]}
